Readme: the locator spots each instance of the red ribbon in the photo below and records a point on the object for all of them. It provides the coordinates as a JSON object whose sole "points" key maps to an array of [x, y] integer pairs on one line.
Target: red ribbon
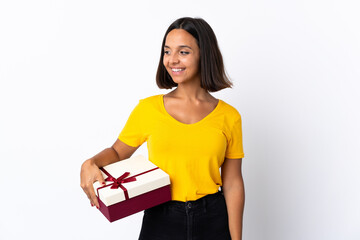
{"points": [[120, 180]]}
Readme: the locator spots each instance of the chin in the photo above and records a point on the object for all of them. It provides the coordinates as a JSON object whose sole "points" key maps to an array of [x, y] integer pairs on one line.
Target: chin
{"points": [[179, 81]]}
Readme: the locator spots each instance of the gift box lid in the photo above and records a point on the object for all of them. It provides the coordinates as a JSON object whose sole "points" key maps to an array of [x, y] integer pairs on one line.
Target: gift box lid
{"points": [[151, 177]]}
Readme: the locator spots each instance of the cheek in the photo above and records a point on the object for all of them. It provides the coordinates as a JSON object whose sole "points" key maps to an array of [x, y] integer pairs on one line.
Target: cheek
{"points": [[196, 61], [195, 64]]}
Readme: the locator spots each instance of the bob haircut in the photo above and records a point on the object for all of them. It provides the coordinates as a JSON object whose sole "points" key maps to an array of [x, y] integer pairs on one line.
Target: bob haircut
{"points": [[213, 76]]}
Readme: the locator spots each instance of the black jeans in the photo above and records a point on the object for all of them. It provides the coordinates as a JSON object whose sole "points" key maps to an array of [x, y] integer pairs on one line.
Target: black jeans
{"points": [[205, 218]]}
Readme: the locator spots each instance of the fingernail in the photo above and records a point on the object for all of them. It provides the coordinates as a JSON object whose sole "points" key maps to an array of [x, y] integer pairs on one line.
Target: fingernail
{"points": [[92, 204], [103, 183], [97, 207]]}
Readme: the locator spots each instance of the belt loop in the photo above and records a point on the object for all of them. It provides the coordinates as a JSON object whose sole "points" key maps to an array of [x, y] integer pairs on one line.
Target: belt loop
{"points": [[204, 204]]}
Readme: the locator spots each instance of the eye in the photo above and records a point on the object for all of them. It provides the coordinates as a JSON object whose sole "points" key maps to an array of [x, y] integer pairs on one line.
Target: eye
{"points": [[166, 52], [184, 52]]}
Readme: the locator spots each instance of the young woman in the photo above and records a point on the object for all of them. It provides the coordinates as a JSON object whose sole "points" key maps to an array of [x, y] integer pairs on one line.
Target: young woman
{"points": [[190, 135]]}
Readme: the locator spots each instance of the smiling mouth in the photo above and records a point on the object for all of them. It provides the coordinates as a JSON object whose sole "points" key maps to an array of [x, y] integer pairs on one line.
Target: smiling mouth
{"points": [[177, 69]]}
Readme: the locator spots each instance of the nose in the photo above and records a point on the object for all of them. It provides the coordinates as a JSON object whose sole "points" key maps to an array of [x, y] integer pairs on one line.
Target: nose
{"points": [[174, 58]]}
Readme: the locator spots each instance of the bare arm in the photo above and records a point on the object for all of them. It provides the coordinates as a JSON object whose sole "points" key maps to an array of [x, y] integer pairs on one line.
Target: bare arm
{"points": [[117, 152], [234, 192], [90, 172]]}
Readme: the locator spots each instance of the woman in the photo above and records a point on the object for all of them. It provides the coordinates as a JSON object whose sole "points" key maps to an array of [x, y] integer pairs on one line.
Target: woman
{"points": [[190, 135]]}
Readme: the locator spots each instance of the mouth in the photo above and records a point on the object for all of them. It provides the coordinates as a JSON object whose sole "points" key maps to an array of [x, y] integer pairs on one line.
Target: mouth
{"points": [[177, 70]]}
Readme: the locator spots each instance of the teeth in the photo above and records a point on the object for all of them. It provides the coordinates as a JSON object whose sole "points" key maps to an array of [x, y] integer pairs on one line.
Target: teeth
{"points": [[177, 69]]}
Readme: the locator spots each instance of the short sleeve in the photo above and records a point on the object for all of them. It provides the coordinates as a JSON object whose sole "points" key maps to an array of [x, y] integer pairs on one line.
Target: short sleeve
{"points": [[235, 144], [133, 133]]}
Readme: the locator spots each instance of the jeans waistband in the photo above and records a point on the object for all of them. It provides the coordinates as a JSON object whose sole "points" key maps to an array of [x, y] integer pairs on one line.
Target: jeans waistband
{"points": [[198, 204]]}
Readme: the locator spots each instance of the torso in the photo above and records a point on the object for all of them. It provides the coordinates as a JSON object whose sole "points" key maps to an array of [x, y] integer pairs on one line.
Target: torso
{"points": [[190, 153]]}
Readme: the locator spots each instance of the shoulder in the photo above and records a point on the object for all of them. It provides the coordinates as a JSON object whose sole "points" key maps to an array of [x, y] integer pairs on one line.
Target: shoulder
{"points": [[149, 103], [231, 120], [151, 98], [229, 111]]}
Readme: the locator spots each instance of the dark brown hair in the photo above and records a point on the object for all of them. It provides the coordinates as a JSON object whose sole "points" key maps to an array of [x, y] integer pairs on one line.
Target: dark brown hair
{"points": [[213, 76]]}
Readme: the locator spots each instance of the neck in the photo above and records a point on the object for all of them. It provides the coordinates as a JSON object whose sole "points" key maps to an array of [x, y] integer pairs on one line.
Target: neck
{"points": [[190, 91]]}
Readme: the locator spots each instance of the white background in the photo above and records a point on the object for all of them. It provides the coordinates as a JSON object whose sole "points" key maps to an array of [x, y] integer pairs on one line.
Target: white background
{"points": [[71, 72]]}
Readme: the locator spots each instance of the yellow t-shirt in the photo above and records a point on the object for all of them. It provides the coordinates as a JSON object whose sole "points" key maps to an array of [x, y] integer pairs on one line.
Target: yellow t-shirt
{"points": [[190, 153]]}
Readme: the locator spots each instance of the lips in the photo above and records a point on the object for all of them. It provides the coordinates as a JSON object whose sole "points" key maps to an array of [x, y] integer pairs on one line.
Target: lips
{"points": [[176, 70]]}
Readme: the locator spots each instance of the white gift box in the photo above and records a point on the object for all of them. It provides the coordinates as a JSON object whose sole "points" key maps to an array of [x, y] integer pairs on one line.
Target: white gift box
{"points": [[150, 187]]}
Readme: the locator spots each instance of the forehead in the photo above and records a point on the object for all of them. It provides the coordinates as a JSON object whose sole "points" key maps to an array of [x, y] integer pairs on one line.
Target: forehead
{"points": [[179, 37]]}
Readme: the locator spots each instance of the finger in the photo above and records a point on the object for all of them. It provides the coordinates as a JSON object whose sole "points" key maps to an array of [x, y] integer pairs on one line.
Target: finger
{"points": [[84, 184], [84, 188], [87, 192], [91, 202], [100, 179], [93, 197]]}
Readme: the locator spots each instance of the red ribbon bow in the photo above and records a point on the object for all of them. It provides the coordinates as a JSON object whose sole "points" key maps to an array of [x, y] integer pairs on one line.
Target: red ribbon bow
{"points": [[118, 181]]}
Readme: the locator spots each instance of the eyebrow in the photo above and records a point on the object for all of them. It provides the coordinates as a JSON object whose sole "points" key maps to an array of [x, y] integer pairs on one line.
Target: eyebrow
{"points": [[181, 46]]}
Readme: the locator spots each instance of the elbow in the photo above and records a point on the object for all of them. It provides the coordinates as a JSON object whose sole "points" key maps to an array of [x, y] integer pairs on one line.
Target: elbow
{"points": [[235, 186]]}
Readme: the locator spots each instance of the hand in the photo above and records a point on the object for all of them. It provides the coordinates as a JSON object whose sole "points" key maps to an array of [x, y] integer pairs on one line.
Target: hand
{"points": [[89, 174]]}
